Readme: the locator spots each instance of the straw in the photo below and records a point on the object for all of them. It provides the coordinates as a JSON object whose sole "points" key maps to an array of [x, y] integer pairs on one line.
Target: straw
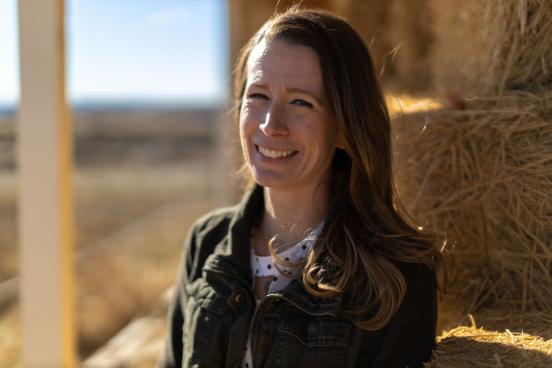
{"points": [[410, 34], [497, 338], [483, 176], [487, 47]]}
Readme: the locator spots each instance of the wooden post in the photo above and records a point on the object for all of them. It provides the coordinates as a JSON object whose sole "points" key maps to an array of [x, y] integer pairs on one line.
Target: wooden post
{"points": [[44, 198]]}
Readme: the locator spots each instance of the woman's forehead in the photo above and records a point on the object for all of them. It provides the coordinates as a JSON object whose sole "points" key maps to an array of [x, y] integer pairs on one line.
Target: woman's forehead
{"points": [[282, 61]]}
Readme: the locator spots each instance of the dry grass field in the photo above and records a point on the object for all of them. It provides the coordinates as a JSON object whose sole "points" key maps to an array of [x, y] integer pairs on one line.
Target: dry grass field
{"points": [[139, 181]]}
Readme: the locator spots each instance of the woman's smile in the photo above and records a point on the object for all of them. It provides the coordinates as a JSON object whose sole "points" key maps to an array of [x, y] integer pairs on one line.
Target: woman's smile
{"points": [[275, 154]]}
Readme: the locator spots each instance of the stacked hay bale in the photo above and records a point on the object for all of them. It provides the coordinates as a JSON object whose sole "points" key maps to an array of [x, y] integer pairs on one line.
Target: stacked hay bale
{"points": [[481, 170], [483, 175], [370, 18], [398, 34], [512, 342], [486, 47], [410, 34]]}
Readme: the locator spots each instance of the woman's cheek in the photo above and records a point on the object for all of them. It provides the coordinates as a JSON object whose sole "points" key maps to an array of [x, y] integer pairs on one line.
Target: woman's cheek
{"points": [[251, 117], [247, 129]]}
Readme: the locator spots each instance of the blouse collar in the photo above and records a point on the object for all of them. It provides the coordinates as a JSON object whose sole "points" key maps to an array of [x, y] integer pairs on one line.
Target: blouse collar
{"points": [[265, 265]]}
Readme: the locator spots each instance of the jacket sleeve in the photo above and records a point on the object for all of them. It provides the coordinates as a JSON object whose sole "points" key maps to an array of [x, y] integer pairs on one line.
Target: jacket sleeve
{"points": [[410, 337], [172, 353]]}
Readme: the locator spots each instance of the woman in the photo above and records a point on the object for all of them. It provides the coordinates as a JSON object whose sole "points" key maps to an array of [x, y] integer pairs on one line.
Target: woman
{"points": [[315, 268]]}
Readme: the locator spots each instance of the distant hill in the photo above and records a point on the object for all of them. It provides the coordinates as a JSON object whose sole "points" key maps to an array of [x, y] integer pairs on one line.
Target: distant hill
{"points": [[136, 133], [8, 110]]}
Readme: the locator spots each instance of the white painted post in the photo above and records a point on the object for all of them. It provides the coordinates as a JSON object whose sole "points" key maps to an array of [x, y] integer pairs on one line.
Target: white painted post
{"points": [[45, 208]]}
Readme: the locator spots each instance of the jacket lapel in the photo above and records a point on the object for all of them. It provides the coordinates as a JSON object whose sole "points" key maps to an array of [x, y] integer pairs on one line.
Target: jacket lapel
{"points": [[232, 254]]}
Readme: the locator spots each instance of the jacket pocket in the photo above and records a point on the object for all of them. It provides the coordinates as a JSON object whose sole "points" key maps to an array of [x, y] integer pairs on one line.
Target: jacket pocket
{"points": [[203, 313], [313, 342], [318, 332]]}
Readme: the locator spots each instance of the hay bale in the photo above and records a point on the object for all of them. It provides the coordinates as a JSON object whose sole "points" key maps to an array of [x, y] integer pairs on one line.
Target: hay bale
{"points": [[503, 345], [410, 35], [532, 323], [120, 275], [484, 176], [398, 34], [138, 345], [370, 18], [486, 47]]}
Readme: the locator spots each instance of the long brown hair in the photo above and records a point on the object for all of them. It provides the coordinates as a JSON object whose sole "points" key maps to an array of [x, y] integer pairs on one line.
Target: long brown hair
{"points": [[364, 234]]}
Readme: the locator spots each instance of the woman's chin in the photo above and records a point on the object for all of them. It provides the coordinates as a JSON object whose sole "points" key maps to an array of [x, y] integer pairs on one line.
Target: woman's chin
{"points": [[272, 180], [267, 183]]}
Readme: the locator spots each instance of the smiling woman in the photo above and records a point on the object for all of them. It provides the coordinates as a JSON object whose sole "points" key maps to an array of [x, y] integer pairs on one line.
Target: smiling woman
{"points": [[287, 133], [315, 267]]}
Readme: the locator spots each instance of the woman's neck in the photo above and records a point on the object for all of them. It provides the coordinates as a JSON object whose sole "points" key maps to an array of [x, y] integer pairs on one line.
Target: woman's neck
{"points": [[290, 215]]}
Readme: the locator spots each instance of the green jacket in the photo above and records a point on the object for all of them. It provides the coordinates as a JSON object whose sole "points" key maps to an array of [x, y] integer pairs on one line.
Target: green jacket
{"points": [[213, 310]]}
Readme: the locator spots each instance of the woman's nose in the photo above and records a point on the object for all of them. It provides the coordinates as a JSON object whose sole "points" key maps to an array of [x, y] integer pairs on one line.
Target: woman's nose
{"points": [[274, 122]]}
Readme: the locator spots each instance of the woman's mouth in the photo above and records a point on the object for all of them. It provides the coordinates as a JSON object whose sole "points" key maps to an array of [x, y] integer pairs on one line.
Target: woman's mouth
{"points": [[272, 153]]}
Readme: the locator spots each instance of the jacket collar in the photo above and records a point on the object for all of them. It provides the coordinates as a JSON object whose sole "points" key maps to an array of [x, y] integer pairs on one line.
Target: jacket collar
{"points": [[232, 254], [232, 257]]}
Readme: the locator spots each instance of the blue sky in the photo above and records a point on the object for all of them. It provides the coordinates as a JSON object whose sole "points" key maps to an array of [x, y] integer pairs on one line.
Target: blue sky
{"points": [[158, 50]]}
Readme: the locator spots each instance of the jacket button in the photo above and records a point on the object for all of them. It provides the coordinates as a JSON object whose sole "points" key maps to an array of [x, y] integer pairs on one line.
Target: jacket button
{"points": [[238, 298]]}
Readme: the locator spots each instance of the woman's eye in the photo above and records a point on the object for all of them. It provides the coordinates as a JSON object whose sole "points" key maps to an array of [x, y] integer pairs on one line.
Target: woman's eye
{"points": [[258, 96], [301, 102]]}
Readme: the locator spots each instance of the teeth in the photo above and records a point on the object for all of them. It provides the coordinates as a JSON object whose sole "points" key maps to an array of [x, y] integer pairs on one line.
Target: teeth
{"points": [[274, 154]]}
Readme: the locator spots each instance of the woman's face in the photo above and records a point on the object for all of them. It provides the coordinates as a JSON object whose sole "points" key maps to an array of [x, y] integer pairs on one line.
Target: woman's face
{"points": [[287, 134]]}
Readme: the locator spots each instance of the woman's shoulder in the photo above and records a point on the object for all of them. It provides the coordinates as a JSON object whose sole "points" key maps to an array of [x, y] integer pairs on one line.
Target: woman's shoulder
{"points": [[210, 228], [202, 237], [415, 272], [421, 283], [214, 220], [414, 269]]}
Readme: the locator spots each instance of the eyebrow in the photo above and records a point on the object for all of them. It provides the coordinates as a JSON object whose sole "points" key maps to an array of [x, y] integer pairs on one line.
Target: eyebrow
{"points": [[292, 90]]}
